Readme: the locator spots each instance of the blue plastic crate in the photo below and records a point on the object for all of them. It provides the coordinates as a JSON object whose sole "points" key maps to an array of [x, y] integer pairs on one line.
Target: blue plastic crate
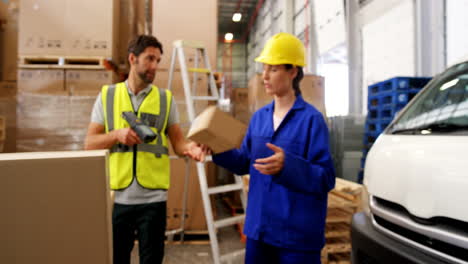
{"points": [[373, 89], [369, 139], [389, 111], [375, 127], [360, 177], [373, 113], [363, 162], [403, 83], [397, 97], [373, 102]]}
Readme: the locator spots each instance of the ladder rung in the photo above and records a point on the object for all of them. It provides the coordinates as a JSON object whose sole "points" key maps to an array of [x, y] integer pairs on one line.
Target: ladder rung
{"points": [[199, 70], [225, 188], [232, 255], [229, 221], [192, 44], [175, 231], [205, 98]]}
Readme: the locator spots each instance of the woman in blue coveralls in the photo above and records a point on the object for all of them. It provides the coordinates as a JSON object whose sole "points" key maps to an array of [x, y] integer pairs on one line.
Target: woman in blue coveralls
{"points": [[286, 152]]}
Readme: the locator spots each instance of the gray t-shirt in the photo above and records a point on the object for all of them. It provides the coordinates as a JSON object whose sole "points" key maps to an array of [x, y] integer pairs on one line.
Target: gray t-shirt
{"points": [[135, 194]]}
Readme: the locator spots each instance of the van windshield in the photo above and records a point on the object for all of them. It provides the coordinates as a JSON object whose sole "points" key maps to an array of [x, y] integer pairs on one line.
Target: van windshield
{"points": [[441, 108]]}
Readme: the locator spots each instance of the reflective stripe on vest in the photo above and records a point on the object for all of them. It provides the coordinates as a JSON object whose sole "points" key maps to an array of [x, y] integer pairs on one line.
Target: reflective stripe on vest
{"points": [[152, 161]]}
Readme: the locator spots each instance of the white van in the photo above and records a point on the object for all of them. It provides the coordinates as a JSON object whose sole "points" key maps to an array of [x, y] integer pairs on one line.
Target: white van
{"points": [[416, 176]]}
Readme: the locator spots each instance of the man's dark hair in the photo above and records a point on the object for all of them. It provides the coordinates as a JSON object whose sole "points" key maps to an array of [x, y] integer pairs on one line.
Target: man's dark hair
{"points": [[297, 79], [141, 42]]}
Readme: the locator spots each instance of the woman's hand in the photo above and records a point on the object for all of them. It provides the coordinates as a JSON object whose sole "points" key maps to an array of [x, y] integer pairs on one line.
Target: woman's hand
{"points": [[273, 164], [196, 151]]}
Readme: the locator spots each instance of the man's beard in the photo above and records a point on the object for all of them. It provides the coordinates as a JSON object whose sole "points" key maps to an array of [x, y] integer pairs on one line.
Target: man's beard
{"points": [[145, 78]]}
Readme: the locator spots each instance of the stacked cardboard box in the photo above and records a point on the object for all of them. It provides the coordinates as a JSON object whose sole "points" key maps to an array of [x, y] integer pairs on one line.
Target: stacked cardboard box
{"points": [[195, 214], [83, 28], [240, 104], [61, 71], [54, 107], [190, 27]]}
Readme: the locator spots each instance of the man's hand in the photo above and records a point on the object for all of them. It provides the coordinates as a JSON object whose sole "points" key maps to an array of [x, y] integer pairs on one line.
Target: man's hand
{"points": [[196, 151], [127, 136], [273, 164]]}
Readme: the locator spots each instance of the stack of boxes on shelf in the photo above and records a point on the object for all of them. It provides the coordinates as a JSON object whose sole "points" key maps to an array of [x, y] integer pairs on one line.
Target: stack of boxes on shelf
{"points": [[343, 202], [346, 134], [385, 99], [61, 71]]}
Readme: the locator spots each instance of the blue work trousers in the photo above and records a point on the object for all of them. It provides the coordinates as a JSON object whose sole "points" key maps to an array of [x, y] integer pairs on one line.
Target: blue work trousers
{"points": [[258, 252]]}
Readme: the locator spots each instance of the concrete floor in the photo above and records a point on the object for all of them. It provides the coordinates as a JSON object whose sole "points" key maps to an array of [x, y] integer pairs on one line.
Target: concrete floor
{"points": [[199, 252]]}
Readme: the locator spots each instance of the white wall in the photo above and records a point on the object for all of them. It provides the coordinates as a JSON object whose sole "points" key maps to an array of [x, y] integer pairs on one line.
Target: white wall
{"points": [[456, 30], [330, 23], [274, 16], [389, 45]]}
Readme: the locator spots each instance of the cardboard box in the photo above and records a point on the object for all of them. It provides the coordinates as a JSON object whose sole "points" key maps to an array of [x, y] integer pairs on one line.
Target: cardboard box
{"points": [[42, 81], [240, 96], [92, 28], [195, 215], [191, 25], [80, 28], [56, 208], [218, 130], [240, 104], [312, 88], [177, 87], [88, 82], [52, 122]]}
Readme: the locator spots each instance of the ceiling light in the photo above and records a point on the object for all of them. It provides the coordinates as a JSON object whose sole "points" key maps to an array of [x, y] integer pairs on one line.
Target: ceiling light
{"points": [[228, 37], [236, 17]]}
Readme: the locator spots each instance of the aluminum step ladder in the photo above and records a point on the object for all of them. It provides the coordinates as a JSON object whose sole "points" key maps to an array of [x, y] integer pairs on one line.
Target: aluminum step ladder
{"points": [[191, 96]]}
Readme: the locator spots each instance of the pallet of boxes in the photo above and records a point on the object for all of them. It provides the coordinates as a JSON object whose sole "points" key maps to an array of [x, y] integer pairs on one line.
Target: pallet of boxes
{"points": [[61, 71], [343, 201]]}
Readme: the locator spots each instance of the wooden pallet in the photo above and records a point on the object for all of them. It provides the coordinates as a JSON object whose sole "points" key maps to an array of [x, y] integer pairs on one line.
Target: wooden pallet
{"points": [[335, 248], [341, 258], [339, 215], [343, 202], [61, 62], [337, 230], [349, 191]]}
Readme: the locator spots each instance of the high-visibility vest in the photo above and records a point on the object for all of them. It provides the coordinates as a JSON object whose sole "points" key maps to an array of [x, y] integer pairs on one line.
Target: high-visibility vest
{"points": [[148, 163]]}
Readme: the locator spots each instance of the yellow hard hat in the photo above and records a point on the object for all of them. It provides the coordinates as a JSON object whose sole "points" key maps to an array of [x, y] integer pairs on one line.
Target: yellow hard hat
{"points": [[283, 48]]}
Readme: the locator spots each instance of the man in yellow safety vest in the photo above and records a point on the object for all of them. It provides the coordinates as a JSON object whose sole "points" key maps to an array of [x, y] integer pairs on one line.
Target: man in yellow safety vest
{"points": [[139, 171]]}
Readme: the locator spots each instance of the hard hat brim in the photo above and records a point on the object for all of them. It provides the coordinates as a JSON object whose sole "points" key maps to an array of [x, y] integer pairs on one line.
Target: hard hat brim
{"points": [[269, 61]]}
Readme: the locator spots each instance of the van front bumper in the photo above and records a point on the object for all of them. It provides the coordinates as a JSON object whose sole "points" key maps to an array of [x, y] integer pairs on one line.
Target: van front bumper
{"points": [[369, 246]]}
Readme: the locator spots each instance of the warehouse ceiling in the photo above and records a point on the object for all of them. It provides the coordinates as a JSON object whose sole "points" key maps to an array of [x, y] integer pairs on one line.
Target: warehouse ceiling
{"points": [[226, 8]]}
